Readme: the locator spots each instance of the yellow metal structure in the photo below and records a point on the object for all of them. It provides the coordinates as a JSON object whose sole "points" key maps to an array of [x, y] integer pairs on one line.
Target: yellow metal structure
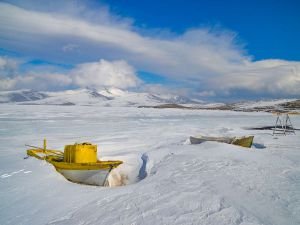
{"points": [[76, 158], [80, 153]]}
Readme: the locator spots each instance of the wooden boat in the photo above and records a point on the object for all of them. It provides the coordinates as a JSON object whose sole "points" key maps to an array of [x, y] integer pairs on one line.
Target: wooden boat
{"points": [[245, 141], [78, 163]]}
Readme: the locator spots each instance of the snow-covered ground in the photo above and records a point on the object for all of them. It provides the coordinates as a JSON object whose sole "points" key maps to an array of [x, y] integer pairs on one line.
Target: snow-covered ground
{"points": [[168, 180]]}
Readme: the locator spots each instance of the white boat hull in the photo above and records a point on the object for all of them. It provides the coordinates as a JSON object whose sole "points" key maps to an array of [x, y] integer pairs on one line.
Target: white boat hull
{"points": [[90, 177]]}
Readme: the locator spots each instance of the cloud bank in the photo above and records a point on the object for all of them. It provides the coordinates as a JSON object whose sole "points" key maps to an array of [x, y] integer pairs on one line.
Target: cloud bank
{"points": [[96, 75], [207, 61]]}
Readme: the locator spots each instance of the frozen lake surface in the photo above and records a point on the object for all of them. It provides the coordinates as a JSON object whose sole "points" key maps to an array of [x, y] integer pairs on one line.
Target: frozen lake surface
{"points": [[167, 180]]}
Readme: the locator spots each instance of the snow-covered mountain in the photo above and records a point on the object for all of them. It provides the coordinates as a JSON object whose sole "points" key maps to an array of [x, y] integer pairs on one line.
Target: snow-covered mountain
{"points": [[87, 96], [117, 97], [21, 96]]}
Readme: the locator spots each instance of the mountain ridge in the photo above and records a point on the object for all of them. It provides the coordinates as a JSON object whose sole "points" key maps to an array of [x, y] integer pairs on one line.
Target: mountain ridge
{"points": [[114, 97], [89, 96]]}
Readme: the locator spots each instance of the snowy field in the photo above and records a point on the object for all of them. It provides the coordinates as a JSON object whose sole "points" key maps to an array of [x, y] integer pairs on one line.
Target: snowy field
{"points": [[167, 180]]}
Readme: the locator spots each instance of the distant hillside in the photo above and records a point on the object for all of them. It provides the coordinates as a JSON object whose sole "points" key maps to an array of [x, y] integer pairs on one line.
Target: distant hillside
{"points": [[105, 97], [114, 97], [258, 106], [291, 105], [21, 96]]}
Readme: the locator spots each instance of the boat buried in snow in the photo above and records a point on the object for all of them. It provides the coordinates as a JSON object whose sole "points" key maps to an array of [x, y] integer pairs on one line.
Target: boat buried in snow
{"points": [[78, 163], [245, 141]]}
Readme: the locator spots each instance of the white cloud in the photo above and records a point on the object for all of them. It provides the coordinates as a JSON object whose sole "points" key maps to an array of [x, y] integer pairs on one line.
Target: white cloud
{"points": [[36, 81], [8, 67], [206, 60], [163, 90], [11, 78], [103, 73], [275, 77], [206, 94], [94, 74], [195, 52], [7, 84]]}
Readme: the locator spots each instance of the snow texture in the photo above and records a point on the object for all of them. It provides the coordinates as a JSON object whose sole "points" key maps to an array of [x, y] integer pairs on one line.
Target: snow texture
{"points": [[164, 179]]}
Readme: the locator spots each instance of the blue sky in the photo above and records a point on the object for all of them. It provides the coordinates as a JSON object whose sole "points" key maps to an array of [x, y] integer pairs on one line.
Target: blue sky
{"points": [[269, 29], [217, 50]]}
